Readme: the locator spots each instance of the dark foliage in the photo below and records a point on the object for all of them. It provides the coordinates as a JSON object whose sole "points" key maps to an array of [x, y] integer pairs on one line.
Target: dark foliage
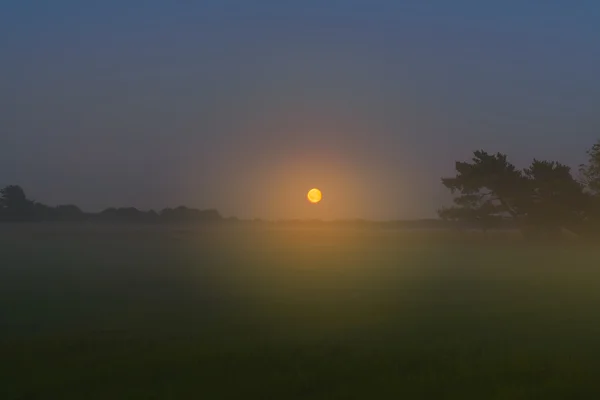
{"points": [[184, 214], [127, 214], [590, 172], [542, 199], [15, 206], [66, 212], [590, 177], [555, 199]]}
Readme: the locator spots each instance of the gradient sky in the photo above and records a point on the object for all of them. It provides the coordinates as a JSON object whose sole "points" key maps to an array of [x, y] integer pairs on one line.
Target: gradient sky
{"points": [[245, 105]]}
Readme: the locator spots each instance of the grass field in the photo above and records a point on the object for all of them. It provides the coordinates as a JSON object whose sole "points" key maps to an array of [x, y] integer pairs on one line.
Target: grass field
{"points": [[100, 312]]}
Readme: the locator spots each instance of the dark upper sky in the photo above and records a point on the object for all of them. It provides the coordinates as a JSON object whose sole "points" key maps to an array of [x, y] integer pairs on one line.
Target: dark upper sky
{"points": [[245, 105]]}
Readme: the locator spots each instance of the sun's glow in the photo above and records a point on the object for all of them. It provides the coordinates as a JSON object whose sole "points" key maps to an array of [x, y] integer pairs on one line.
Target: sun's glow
{"points": [[314, 195]]}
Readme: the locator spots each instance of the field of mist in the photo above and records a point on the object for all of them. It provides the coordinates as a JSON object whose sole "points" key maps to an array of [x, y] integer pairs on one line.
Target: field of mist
{"points": [[100, 311]]}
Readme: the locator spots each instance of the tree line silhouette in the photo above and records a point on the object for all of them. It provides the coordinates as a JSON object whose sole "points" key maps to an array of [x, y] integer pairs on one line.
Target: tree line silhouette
{"points": [[542, 199], [15, 206], [490, 193]]}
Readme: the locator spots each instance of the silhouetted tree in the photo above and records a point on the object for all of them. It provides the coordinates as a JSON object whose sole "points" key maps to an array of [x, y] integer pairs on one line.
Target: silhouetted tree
{"points": [[543, 198], [14, 204], [127, 214], [472, 211], [42, 212], [184, 214], [488, 186], [555, 199], [590, 172], [590, 177], [108, 214], [68, 212], [152, 216]]}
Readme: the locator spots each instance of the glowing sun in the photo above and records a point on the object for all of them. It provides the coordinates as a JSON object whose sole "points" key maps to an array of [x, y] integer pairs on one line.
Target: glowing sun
{"points": [[314, 196]]}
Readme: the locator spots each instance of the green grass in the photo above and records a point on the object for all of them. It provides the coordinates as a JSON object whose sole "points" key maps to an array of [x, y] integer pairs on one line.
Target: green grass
{"points": [[298, 313]]}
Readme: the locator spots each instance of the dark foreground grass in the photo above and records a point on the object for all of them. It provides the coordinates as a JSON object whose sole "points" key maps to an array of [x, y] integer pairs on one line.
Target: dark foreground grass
{"points": [[312, 313]]}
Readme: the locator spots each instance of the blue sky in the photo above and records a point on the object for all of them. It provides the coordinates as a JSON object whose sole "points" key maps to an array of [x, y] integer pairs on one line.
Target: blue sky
{"points": [[245, 105]]}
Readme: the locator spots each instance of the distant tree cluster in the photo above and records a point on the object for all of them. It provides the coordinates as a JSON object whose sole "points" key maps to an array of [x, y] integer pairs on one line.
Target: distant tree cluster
{"points": [[15, 206], [542, 199]]}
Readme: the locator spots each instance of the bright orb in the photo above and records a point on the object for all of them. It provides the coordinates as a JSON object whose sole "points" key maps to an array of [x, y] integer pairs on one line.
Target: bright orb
{"points": [[314, 196]]}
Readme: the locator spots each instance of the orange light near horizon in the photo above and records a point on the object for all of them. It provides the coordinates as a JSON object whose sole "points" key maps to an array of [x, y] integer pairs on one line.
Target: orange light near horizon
{"points": [[314, 195]]}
